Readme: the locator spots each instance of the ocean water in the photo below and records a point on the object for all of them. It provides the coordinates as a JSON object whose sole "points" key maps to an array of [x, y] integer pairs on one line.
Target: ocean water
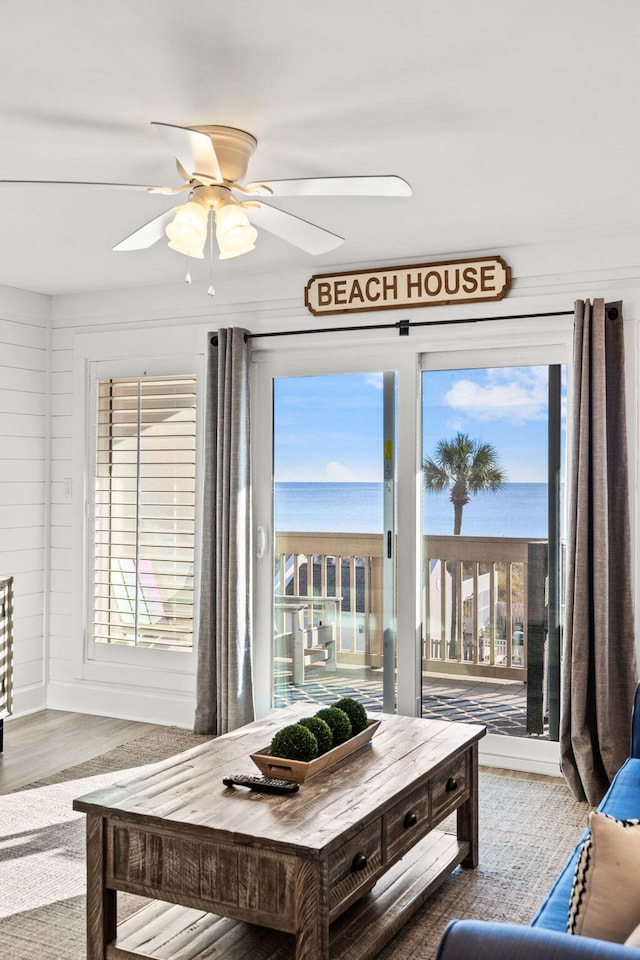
{"points": [[518, 510]]}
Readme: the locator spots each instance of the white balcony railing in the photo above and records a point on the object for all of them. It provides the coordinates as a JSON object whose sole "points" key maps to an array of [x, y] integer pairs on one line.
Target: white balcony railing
{"points": [[475, 597]]}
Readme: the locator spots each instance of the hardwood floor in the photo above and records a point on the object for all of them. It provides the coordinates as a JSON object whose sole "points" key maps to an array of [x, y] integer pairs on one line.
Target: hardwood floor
{"points": [[40, 744]]}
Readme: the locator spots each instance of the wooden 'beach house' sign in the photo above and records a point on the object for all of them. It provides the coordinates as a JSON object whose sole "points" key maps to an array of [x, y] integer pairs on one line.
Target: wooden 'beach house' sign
{"points": [[418, 285]]}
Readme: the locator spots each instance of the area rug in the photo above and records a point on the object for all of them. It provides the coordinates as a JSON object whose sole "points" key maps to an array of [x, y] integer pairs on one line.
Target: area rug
{"points": [[527, 830]]}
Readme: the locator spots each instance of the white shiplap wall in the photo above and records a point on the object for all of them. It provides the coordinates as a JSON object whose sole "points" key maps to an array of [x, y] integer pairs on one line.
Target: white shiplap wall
{"points": [[24, 325]]}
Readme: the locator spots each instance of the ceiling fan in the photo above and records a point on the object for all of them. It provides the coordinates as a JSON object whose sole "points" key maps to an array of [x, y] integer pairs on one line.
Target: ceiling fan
{"points": [[213, 161]]}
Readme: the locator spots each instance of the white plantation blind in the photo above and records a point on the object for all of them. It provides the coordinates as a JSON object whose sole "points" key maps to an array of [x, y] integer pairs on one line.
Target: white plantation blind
{"points": [[145, 512]]}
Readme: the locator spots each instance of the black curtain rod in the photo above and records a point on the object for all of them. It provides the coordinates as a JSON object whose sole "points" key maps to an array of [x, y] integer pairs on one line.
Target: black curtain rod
{"points": [[404, 326]]}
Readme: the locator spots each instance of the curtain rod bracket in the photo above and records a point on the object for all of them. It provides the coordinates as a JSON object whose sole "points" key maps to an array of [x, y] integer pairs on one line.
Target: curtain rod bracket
{"points": [[214, 339], [612, 313], [403, 328]]}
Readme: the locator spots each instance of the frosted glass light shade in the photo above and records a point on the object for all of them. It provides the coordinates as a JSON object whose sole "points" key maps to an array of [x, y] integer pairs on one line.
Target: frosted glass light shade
{"points": [[234, 233], [227, 254], [187, 231], [197, 253]]}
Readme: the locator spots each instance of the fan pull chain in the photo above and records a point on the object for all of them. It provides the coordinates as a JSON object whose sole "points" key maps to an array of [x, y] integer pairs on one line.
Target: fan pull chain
{"points": [[211, 291], [188, 276]]}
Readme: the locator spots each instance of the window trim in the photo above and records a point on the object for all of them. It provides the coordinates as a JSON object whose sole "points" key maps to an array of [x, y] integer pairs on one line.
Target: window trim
{"points": [[98, 356], [99, 372]]}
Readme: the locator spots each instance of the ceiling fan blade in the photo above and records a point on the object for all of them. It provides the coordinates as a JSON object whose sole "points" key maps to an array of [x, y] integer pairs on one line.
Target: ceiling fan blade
{"points": [[193, 150], [335, 187], [84, 183], [293, 229], [147, 235]]}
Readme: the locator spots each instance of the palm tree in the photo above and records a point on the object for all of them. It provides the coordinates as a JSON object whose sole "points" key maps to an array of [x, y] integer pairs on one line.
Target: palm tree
{"points": [[465, 467]]}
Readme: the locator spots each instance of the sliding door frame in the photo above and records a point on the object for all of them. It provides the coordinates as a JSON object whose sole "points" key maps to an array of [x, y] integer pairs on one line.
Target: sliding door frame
{"points": [[267, 368], [507, 343]]}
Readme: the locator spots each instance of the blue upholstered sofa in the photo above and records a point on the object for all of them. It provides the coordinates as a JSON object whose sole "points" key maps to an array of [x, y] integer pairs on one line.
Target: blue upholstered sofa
{"points": [[546, 938]]}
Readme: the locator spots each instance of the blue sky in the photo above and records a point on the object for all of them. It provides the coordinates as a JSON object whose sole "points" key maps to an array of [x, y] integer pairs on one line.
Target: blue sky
{"points": [[330, 428]]}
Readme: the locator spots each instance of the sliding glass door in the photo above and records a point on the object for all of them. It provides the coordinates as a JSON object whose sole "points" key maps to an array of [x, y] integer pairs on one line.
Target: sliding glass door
{"points": [[334, 538], [492, 458], [372, 575]]}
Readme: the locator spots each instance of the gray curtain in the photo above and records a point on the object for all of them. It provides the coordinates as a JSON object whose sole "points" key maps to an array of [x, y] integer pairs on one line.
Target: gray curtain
{"points": [[598, 666], [224, 691]]}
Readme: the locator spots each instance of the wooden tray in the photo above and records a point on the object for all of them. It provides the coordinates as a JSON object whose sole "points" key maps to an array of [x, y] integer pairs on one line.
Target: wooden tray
{"points": [[301, 770]]}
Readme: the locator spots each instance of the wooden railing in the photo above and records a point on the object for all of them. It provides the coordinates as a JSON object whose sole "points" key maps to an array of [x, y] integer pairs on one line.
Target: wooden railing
{"points": [[475, 597]]}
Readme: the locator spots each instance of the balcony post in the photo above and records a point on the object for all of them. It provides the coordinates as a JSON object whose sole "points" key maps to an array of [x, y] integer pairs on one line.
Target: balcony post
{"points": [[536, 631]]}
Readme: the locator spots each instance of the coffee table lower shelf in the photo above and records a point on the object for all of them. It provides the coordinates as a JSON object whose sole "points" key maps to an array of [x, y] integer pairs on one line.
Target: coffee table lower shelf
{"points": [[165, 931]]}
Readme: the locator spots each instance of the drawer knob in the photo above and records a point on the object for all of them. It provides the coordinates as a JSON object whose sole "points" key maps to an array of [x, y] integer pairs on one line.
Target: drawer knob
{"points": [[410, 819], [452, 784], [359, 862]]}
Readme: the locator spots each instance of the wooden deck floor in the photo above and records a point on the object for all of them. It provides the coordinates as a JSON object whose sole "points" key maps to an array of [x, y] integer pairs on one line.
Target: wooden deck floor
{"points": [[500, 705]]}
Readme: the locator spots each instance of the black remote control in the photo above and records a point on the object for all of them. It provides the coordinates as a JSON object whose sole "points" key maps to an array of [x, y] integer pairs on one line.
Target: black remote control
{"points": [[262, 784]]}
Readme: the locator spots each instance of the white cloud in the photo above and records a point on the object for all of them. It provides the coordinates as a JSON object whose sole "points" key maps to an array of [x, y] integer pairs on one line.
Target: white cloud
{"points": [[335, 472], [513, 395]]}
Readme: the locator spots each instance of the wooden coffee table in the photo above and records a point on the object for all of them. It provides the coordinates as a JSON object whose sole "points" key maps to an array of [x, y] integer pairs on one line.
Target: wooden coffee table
{"points": [[332, 871]]}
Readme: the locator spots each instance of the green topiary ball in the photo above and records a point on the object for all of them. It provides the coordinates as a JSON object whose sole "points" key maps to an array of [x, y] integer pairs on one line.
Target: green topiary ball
{"points": [[321, 731], [339, 723], [294, 742], [356, 713]]}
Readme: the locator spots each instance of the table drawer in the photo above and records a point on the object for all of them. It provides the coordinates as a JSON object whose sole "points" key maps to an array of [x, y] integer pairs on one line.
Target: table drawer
{"points": [[352, 866], [233, 879], [450, 787], [407, 821]]}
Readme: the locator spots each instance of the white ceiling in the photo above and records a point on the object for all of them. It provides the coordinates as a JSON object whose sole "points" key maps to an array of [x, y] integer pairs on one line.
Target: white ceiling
{"points": [[515, 123]]}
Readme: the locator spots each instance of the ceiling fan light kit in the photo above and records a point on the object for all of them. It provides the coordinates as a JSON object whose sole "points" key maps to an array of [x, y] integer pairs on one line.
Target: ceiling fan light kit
{"points": [[187, 232], [213, 162]]}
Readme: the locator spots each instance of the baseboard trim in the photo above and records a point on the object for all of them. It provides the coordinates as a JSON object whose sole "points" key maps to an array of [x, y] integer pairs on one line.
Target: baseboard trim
{"points": [[169, 709], [518, 753], [28, 700]]}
